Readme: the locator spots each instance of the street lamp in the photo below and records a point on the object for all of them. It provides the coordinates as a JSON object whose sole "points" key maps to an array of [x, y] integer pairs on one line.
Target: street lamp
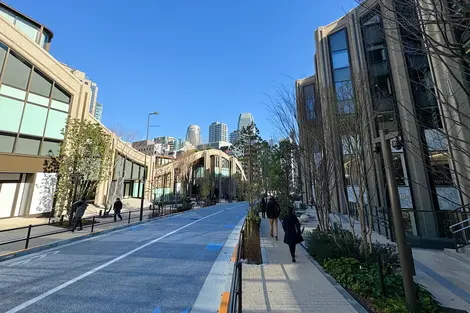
{"points": [[145, 168], [398, 224]]}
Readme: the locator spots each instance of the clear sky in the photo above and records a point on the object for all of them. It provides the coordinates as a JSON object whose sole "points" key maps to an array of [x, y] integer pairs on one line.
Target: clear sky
{"points": [[195, 62]]}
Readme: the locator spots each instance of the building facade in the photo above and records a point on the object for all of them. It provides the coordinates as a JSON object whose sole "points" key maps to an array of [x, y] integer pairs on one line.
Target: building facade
{"points": [[372, 69], [245, 120], [234, 137], [193, 135], [38, 95], [218, 132], [98, 114]]}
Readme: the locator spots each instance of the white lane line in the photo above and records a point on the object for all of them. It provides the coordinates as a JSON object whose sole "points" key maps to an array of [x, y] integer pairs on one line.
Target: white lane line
{"points": [[60, 287]]}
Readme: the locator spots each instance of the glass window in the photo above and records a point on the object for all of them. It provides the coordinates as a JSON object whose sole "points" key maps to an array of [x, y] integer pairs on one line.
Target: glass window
{"points": [[27, 146], [44, 40], [34, 119], [26, 27], [48, 147], [344, 90], [342, 74], [7, 15], [55, 124], [3, 52], [40, 84], [12, 92], [128, 169], [338, 41], [340, 59], [38, 99], [60, 95], [6, 143], [16, 71], [10, 114], [59, 105], [118, 170], [135, 171], [346, 106]]}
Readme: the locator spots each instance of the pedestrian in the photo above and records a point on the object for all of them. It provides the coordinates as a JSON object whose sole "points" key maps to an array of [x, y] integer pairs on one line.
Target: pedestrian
{"points": [[117, 209], [80, 208], [263, 207], [292, 232], [273, 212]]}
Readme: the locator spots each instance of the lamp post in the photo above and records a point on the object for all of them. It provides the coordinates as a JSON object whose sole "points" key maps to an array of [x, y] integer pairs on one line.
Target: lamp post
{"points": [[398, 225], [145, 168]]}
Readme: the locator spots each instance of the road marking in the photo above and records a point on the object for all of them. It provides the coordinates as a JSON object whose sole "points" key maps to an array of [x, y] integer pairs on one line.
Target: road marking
{"points": [[96, 269], [33, 257]]}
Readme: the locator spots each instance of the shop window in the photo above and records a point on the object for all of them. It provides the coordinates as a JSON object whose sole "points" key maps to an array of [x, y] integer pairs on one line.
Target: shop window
{"points": [[50, 147], [27, 146], [6, 143], [16, 73], [34, 119]]}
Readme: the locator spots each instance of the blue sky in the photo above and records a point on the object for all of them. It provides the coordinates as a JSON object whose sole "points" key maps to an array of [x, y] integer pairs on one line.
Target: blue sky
{"points": [[195, 62]]}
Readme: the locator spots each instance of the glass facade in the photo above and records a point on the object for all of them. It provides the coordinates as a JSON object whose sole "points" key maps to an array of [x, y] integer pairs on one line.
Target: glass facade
{"points": [[132, 173], [339, 56], [309, 98], [33, 108]]}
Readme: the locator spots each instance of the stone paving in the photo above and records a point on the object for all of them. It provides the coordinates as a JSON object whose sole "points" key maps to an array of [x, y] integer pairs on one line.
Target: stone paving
{"points": [[279, 285]]}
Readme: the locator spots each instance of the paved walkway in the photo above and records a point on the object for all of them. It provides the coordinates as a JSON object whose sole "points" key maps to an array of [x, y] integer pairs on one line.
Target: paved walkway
{"points": [[447, 278], [279, 285]]}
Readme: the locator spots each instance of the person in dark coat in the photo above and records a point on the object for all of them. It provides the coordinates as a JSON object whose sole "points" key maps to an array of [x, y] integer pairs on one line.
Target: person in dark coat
{"points": [[273, 211], [263, 207], [292, 232], [80, 208], [117, 207]]}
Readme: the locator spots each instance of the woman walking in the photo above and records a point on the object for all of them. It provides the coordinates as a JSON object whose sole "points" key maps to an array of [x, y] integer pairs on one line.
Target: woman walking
{"points": [[292, 233]]}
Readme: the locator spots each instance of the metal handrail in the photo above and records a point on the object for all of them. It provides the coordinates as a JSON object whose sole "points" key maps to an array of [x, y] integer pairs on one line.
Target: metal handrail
{"points": [[459, 223], [235, 299]]}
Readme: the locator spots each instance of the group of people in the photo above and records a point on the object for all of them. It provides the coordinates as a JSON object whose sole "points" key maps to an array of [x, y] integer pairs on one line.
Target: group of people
{"points": [[80, 207], [290, 223]]}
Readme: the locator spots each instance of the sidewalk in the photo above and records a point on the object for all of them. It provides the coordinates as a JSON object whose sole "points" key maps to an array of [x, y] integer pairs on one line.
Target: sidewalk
{"points": [[279, 285]]}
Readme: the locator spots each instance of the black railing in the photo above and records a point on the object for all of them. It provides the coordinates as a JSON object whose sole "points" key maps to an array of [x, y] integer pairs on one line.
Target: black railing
{"points": [[235, 300], [154, 211]]}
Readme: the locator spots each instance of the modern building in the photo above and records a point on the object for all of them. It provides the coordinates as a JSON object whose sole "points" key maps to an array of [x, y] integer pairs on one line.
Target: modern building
{"points": [[38, 94], [149, 147], [368, 75], [245, 120], [98, 114], [193, 135], [218, 132], [234, 137], [214, 145]]}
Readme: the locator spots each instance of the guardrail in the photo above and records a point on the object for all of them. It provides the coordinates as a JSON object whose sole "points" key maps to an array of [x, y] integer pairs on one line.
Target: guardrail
{"points": [[235, 300], [156, 212]]}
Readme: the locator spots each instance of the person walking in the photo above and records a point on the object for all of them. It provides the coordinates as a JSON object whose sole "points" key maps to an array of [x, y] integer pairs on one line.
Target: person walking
{"points": [[117, 207], [292, 232], [80, 208], [273, 212], [263, 207]]}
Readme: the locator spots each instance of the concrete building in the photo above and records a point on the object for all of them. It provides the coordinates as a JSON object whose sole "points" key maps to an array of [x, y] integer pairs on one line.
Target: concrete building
{"points": [[234, 137], [214, 145], [245, 120], [415, 97], [193, 135], [38, 94], [218, 132], [149, 147]]}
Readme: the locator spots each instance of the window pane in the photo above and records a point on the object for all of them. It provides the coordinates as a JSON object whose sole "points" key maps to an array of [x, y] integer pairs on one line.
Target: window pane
{"points": [[38, 99], [6, 143], [135, 171], [43, 40], [27, 146], [40, 84], [3, 52], [10, 114], [34, 119], [340, 59], [55, 124], [51, 146], [7, 15], [346, 107], [128, 169], [344, 90], [59, 105], [16, 72], [12, 92], [338, 41], [60, 95], [27, 28], [342, 74]]}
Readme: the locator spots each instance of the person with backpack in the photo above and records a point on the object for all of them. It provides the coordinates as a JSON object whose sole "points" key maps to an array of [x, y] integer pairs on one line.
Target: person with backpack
{"points": [[117, 207], [292, 232], [80, 208], [273, 211]]}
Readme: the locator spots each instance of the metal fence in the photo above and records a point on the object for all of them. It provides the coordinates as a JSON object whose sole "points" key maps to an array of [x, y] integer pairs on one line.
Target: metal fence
{"points": [[131, 215], [235, 300]]}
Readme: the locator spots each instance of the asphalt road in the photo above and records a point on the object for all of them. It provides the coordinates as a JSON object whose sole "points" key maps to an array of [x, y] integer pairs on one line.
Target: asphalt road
{"points": [[155, 267]]}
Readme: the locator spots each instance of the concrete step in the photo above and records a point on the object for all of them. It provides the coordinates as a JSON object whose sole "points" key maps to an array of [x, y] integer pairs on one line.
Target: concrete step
{"points": [[463, 254]]}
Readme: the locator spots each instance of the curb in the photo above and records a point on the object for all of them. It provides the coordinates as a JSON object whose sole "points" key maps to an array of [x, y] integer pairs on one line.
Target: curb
{"points": [[18, 253], [355, 304]]}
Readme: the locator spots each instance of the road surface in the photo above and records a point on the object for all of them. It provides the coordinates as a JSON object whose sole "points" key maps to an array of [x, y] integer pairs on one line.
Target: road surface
{"points": [[160, 266]]}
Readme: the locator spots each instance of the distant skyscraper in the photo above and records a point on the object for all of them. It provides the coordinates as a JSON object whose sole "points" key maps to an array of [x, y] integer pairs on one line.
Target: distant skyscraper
{"points": [[244, 120], [98, 111], [218, 132], [234, 136], [193, 135]]}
